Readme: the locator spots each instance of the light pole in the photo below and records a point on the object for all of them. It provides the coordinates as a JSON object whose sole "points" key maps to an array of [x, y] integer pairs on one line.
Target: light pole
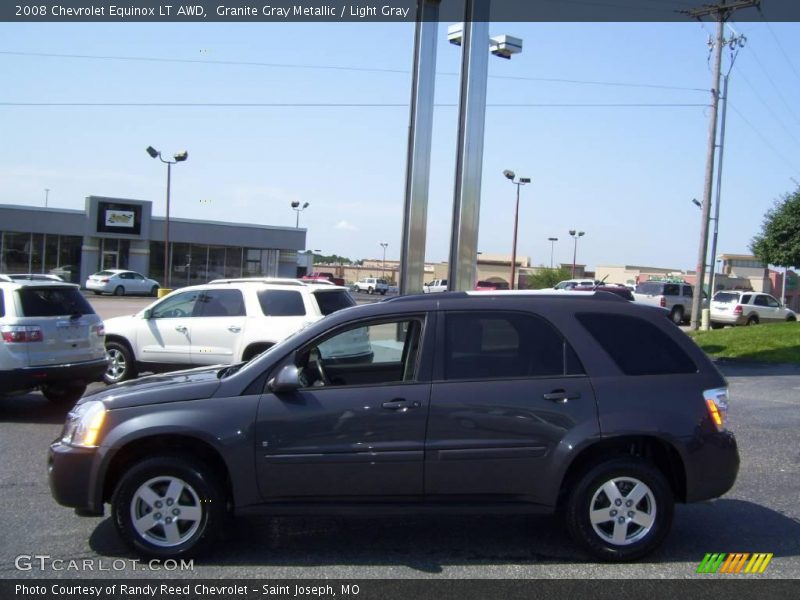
{"points": [[179, 157], [298, 209], [510, 175], [46, 196], [383, 268], [575, 235], [552, 247]]}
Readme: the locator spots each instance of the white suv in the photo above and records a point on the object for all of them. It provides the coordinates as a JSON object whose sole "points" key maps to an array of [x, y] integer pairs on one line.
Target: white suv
{"points": [[372, 285], [222, 322], [744, 307], [50, 339]]}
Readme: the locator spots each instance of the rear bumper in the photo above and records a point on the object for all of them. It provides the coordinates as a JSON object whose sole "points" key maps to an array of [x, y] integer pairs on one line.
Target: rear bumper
{"points": [[728, 319], [716, 466], [32, 377]]}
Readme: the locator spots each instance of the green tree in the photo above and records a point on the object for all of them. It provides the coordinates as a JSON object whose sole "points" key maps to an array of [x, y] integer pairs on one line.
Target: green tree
{"points": [[547, 278], [779, 240]]}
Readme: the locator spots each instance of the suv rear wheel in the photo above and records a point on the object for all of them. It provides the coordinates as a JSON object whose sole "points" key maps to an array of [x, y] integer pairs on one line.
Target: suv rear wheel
{"points": [[168, 507], [620, 510], [65, 393], [677, 315], [752, 320], [121, 366]]}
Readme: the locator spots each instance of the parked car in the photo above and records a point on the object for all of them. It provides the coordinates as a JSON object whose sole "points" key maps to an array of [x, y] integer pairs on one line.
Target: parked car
{"points": [[619, 290], [493, 402], [323, 276], [222, 322], [372, 285], [676, 297], [490, 286], [571, 283], [51, 340], [746, 307], [121, 282], [30, 277], [435, 286]]}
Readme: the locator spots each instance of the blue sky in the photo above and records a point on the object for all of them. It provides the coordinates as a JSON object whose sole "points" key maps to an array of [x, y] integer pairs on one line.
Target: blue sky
{"points": [[625, 175]]}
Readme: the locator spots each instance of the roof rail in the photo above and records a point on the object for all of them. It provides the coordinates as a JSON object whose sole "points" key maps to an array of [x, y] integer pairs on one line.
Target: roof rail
{"points": [[280, 280]]}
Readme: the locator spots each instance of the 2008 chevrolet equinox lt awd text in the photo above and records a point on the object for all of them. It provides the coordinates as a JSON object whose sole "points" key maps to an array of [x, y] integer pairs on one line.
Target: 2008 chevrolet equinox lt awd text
{"points": [[493, 402]]}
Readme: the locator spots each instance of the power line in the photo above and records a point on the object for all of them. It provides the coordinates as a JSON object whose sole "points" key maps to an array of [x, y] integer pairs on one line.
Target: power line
{"points": [[780, 46], [332, 67], [343, 105], [764, 139]]}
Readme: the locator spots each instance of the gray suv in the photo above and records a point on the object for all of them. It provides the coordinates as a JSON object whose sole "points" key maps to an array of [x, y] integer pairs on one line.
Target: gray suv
{"points": [[50, 339], [492, 402]]}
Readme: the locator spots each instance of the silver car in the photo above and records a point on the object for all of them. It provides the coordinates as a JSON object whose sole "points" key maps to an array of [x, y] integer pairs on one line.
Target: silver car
{"points": [[121, 282], [745, 307]]}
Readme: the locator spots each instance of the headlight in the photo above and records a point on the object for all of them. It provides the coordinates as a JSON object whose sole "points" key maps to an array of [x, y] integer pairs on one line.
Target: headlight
{"points": [[83, 425]]}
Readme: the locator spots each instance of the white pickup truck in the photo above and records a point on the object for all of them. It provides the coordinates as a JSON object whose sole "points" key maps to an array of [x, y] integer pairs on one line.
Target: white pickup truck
{"points": [[437, 285]]}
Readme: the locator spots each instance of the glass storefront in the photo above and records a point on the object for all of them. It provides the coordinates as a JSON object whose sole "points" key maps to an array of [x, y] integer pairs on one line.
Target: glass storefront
{"points": [[41, 253], [191, 264]]}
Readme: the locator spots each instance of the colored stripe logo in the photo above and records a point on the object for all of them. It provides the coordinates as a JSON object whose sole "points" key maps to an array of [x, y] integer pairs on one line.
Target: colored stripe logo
{"points": [[737, 562]]}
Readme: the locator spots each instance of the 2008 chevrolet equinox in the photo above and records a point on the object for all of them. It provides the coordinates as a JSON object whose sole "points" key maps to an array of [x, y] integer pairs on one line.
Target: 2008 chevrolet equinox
{"points": [[494, 402]]}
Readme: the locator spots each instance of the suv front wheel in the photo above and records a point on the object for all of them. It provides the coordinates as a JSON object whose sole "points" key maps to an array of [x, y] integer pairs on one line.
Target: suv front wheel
{"points": [[121, 366], [168, 507], [620, 510], [65, 393]]}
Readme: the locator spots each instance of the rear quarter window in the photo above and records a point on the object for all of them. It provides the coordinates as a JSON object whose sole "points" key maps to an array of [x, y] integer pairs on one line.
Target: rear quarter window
{"points": [[2, 304], [726, 297], [330, 302], [53, 302], [637, 346]]}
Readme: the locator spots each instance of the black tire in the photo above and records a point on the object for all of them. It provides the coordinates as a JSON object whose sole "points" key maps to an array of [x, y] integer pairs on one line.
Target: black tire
{"points": [[588, 495], [201, 495], [383, 292], [752, 320], [717, 325], [370, 290], [119, 291], [791, 318], [64, 393], [154, 291], [121, 365], [677, 315], [96, 293]]}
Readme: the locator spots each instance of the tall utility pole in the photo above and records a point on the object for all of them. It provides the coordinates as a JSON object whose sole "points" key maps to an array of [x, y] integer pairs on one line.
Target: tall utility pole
{"points": [[721, 12]]}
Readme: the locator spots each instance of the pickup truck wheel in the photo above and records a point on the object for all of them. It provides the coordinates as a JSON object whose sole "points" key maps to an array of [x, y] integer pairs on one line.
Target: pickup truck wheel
{"points": [[66, 393], [370, 290], [620, 510], [121, 365], [383, 292], [752, 320], [168, 507], [677, 315]]}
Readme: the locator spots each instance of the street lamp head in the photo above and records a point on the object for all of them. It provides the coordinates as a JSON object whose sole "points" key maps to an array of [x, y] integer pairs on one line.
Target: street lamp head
{"points": [[552, 239], [697, 203], [152, 152], [580, 233], [524, 180], [509, 174], [295, 204], [572, 232], [181, 156], [305, 205]]}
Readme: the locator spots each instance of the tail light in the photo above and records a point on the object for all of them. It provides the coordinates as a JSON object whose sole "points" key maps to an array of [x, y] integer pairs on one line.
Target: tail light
{"points": [[663, 302], [737, 309], [717, 405], [20, 334], [99, 330], [104, 280]]}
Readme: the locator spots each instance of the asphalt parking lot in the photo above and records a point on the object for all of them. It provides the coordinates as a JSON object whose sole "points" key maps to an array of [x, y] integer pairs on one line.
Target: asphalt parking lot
{"points": [[760, 514]]}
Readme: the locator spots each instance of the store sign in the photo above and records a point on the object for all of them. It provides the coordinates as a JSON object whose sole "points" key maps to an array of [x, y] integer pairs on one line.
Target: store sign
{"points": [[120, 218]]}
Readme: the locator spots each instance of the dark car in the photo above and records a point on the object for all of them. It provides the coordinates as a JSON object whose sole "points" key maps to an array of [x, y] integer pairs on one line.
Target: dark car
{"points": [[494, 402], [619, 290]]}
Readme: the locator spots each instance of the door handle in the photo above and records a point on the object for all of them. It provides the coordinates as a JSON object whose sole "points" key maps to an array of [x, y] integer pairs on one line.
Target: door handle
{"points": [[400, 404], [181, 328], [234, 329], [561, 396]]}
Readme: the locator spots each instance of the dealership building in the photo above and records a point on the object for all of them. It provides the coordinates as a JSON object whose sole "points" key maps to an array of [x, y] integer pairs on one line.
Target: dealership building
{"points": [[115, 233]]}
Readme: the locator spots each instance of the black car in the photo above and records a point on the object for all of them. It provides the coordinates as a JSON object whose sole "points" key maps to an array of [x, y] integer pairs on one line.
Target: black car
{"points": [[493, 402]]}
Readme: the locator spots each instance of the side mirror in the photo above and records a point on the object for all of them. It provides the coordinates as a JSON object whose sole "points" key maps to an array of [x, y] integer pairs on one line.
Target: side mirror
{"points": [[287, 380], [147, 314]]}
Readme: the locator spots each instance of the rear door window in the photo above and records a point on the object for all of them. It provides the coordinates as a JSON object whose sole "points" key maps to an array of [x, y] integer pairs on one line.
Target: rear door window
{"points": [[53, 302], [220, 303], [760, 301], [498, 345], [330, 302], [281, 303], [672, 289], [637, 346]]}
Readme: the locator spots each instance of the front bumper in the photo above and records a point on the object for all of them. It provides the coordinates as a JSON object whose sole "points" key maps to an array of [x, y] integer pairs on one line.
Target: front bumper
{"points": [[31, 377], [70, 474]]}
